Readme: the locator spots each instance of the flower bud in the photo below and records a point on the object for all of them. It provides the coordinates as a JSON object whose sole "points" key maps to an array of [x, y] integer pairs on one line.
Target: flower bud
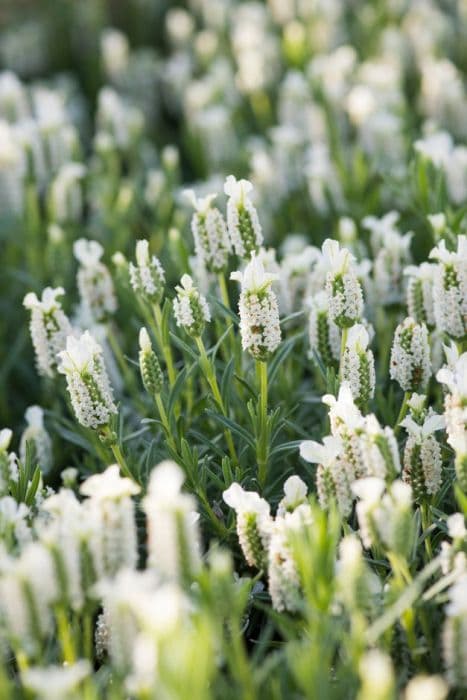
{"points": [[450, 288], [323, 333], [149, 367]]}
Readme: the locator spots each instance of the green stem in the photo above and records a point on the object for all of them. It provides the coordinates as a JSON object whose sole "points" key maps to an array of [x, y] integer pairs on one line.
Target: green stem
{"points": [[262, 447], [402, 412], [111, 440], [345, 332], [165, 347], [128, 376], [66, 639], [223, 289], [165, 422], [210, 376], [425, 518], [87, 636]]}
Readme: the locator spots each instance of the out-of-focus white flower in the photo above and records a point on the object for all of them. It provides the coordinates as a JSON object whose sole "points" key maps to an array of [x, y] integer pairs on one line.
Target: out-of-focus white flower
{"points": [[49, 327], [95, 284], [173, 536], [36, 433], [454, 376], [242, 218], [56, 682], [147, 277], [426, 687], [115, 51], [385, 518], [66, 197], [377, 676], [455, 634], [259, 312]]}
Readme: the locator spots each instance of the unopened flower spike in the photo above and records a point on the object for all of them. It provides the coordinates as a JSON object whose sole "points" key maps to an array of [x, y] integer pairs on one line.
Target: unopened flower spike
{"points": [[209, 230], [242, 218], [147, 277], [190, 308], [259, 312], [149, 367]]}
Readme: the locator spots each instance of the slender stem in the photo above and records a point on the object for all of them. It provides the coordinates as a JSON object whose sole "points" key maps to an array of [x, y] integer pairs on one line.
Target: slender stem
{"points": [[402, 412], [66, 639], [165, 347], [118, 454], [210, 376], [87, 636], [425, 517], [128, 376], [165, 422], [345, 332], [223, 289], [262, 447]]}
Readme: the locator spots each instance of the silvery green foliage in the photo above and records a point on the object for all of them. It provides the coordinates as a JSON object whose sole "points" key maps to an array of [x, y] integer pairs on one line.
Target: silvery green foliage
{"points": [[49, 327], [87, 381]]}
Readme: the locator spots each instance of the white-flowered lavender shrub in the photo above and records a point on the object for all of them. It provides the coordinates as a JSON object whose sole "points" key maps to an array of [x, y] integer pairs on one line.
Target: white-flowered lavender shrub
{"points": [[247, 482]]}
